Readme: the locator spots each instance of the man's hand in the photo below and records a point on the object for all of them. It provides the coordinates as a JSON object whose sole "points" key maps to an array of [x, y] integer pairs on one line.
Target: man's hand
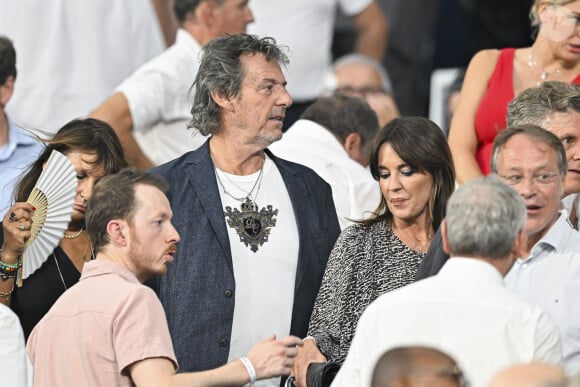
{"points": [[272, 357]]}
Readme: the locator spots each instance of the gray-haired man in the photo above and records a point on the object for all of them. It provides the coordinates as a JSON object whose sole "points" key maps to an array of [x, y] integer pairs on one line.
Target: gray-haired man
{"points": [[465, 310], [256, 230]]}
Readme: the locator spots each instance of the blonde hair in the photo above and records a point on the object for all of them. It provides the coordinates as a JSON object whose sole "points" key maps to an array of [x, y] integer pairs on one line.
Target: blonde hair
{"points": [[535, 17]]}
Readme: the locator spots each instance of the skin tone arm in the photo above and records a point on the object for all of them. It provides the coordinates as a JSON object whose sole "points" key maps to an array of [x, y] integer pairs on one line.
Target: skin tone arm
{"points": [[14, 241], [462, 135], [167, 20], [371, 32], [269, 357], [115, 111]]}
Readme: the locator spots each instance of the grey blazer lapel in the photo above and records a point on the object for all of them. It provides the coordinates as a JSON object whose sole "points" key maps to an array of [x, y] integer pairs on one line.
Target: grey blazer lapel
{"points": [[204, 184]]}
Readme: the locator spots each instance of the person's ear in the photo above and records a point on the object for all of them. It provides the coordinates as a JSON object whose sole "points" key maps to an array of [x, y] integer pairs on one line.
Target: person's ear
{"points": [[444, 237], [6, 91], [223, 102], [118, 232]]}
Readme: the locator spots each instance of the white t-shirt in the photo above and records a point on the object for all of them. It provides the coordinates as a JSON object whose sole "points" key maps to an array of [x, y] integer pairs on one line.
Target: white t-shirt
{"points": [[265, 279], [71, 54], [160, 99], [306, 27]]}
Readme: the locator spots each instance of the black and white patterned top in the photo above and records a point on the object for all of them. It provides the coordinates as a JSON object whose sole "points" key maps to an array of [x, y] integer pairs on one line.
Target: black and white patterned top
{"points": [[366, 262]]}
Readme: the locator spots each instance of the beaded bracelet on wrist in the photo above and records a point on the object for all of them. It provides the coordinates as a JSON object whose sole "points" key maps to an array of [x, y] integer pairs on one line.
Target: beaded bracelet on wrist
{"points": [[9, 270]]}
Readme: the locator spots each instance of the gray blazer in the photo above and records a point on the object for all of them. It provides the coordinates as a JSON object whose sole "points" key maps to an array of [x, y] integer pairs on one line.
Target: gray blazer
{"points": [[198, 290]]}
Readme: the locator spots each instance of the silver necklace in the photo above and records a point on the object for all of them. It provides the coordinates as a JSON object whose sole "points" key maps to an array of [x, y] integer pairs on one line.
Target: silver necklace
{"points": [[417, 247], [248, 194], [543, 73]]}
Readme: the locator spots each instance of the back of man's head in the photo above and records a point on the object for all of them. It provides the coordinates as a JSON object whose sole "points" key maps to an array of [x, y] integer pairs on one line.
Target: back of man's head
{"points": [[114, 198], [416, 366], [342, 115], [537, 104], [7, 59], [484, 217]]}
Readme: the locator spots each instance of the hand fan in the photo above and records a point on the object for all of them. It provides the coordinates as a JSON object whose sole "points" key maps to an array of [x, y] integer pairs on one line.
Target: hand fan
{"points": [[53, 196]]}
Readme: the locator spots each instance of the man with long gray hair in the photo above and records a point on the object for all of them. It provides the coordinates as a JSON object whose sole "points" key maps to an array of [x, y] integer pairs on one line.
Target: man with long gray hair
{"points": [[256, 230], [465, 310]]}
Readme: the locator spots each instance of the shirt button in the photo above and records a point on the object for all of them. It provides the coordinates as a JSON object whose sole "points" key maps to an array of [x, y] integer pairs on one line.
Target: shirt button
{"points": [[524, 265], [223, 342], [228, 293]]}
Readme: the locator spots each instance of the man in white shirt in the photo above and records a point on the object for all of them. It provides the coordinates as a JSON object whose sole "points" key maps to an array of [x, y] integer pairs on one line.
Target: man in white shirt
{"points": [[533, 161], [14, 364], [333, 137], [72, 54], [465, 310], [150, 109]]}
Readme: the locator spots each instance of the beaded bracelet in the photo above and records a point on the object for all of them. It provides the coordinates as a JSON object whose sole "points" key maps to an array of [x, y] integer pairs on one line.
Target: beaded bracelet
{"points": [[8, 270]]}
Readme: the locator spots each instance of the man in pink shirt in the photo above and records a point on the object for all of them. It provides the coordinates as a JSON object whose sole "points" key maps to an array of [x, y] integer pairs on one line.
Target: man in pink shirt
{"points": [[109, 329]]}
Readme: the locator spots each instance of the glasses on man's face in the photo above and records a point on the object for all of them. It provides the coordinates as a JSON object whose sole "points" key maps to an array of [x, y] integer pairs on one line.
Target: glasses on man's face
{"points": [[454, 373], [359, 91], [543, 178]]}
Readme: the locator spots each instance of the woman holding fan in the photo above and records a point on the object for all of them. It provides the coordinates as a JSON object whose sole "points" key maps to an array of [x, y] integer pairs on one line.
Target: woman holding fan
{"points": [[94, 150]]}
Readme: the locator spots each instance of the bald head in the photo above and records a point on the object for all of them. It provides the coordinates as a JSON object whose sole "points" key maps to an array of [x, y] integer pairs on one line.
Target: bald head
{"points": [[416, 367], [530, 375]]}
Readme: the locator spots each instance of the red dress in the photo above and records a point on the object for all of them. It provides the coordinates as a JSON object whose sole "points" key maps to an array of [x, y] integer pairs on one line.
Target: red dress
{"points": [[490, 117]]}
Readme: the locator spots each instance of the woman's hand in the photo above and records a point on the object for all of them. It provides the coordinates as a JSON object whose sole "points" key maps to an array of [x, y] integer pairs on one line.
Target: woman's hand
{"points": [[309, 353], [272, 357], [16, 227]]}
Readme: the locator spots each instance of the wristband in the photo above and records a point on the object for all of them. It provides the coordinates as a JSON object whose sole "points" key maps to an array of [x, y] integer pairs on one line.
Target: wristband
{"points": [[250, 368]]}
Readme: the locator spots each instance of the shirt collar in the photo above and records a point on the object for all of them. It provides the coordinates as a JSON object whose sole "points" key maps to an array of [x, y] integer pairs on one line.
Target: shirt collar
{"points": [[554, 238], [471, 269], [185, 38], [100, 267], [16, 137]]}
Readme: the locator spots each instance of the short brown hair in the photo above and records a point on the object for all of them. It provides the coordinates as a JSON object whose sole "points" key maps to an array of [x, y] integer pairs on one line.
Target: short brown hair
{"points": [[114, 198]]}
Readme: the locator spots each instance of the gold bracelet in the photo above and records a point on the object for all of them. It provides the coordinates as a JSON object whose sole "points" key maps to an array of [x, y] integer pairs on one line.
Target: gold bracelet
{"points": [[5, 295]]}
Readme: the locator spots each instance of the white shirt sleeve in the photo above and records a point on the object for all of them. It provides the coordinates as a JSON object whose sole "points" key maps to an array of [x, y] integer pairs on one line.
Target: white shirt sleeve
{"points": [[15, 366]]}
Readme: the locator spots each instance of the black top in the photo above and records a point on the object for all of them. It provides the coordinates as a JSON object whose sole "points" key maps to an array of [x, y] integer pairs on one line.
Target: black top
{"points": [[434, 260], [41, 289]]}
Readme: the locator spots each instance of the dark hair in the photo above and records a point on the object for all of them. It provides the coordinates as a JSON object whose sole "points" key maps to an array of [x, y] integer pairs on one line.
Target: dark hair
{"points": [[7, 59], [221, 72], [536, 133], [183, 7], [86, 135], [342, 115], [114, 198], [420, 143]]}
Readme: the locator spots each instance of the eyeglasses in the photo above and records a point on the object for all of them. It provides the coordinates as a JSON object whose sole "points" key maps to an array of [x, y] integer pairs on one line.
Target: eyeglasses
{"points": [[538, 179], [454, 373]]}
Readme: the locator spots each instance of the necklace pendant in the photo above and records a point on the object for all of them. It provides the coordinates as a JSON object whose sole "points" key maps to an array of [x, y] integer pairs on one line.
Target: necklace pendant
{"points": [[252, 226]]}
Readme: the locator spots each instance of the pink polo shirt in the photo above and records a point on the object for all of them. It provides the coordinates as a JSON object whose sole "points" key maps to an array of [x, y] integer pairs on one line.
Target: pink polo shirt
{"points": [[97, 328]]}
